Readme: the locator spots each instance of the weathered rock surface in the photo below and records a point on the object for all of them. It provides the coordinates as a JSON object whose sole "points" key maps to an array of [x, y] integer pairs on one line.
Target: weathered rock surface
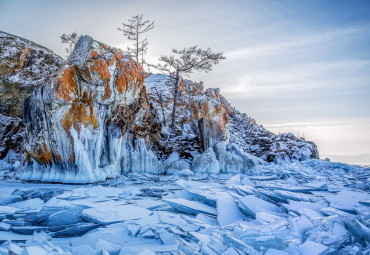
{"points": [[91, 120], [205, 117], [11, 135], [24, 65], [201, 121], [258, 141], [11, 140]]}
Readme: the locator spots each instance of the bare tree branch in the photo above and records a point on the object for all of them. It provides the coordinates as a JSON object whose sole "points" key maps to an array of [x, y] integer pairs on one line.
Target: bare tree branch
{"points": [[133, 30], [71, 40]]}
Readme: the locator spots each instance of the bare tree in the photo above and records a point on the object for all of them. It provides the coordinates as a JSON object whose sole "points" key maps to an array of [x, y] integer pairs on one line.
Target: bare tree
{"points": [[133, 30], [187, 61], [161, 103], [71, 40]]}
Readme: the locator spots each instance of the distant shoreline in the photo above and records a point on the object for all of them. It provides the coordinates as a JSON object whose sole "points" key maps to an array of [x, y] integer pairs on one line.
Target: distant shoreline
{"points": [[363, 160]]}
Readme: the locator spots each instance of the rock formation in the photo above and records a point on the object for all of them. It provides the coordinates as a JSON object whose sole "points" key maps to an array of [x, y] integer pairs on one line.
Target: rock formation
{"points": [[201, 121], [91, 120], [216, 120], [24, 65], [96, 117], [11, 139]]}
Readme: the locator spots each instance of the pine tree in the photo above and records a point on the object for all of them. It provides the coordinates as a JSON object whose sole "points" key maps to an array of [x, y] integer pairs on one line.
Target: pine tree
{"points": [[135, 27], [187, 61], [71, 40]]}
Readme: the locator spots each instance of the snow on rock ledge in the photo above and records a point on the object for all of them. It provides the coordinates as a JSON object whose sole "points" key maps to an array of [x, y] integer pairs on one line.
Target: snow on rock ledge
{"points": [[91, 120]]}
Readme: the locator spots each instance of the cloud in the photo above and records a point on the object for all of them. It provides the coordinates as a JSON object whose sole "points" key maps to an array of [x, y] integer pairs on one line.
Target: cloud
{"points": [[276, 48], [291, 79]]}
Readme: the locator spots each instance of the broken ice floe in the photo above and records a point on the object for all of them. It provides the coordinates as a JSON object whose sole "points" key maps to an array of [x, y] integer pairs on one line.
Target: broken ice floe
{"points": [[307, 208]]}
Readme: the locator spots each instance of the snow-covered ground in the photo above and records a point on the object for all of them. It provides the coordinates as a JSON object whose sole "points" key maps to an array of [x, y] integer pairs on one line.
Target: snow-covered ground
{"points": [[312, 207]]}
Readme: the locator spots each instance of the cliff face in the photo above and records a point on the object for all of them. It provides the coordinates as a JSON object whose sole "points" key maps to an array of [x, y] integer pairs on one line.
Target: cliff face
{"points": [[24, 65], [91, 120]]}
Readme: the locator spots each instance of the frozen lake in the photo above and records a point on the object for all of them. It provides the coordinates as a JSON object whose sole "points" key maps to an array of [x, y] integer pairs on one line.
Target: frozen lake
{"points": [[314, 207]]}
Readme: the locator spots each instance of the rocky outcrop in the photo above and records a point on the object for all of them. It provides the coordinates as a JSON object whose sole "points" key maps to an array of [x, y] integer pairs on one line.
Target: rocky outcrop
{"points": [[24, 65], [205, 117], [201, 121], [91, 120], [94, 117], [258, 141], [11, 140]]}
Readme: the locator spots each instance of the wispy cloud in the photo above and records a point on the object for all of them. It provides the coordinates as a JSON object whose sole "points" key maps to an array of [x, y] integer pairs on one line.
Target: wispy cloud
{"points": [[291, 79], [275, 48]]}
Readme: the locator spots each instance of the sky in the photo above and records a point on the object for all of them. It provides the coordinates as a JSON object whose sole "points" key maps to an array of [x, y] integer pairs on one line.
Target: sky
{"points": [[294, 66]]}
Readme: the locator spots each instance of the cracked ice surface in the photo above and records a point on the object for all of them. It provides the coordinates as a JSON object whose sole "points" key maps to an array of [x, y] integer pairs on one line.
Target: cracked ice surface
{"points": [[312, 207]]}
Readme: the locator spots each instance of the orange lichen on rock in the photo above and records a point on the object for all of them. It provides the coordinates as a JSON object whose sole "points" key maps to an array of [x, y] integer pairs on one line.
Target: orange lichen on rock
{"points": [[43, 155], [100, 66], [218, 109], [196, 110], [93, 55], [129, 74], [84, 73], [117, 57], [205, 111], [80, 113], [67, 87], [23, 57]]}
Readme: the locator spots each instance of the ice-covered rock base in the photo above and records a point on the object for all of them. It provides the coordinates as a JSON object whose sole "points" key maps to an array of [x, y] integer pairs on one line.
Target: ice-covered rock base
{"points": [[312, 207]]}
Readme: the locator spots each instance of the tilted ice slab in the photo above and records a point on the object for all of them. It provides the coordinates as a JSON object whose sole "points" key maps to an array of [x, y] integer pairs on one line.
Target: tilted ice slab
{"points": [[307, 225], [111, 214], [346, 200], [252, 205], [228, 211], [190, 207]]}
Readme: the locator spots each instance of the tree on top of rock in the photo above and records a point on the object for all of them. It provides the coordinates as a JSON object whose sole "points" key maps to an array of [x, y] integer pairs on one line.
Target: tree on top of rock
{"points": [[71, 40], [133, 30], [187, 61]]}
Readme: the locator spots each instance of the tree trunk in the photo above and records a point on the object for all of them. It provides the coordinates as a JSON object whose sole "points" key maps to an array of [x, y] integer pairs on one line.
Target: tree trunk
{"points": [[175, 99], [137, 45], [161, 102]]}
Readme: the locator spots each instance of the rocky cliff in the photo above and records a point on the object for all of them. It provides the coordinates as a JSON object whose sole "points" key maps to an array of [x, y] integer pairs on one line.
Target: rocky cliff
{"points": [[91, 120], [24, 65], [205, 117], [96, 117]]}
